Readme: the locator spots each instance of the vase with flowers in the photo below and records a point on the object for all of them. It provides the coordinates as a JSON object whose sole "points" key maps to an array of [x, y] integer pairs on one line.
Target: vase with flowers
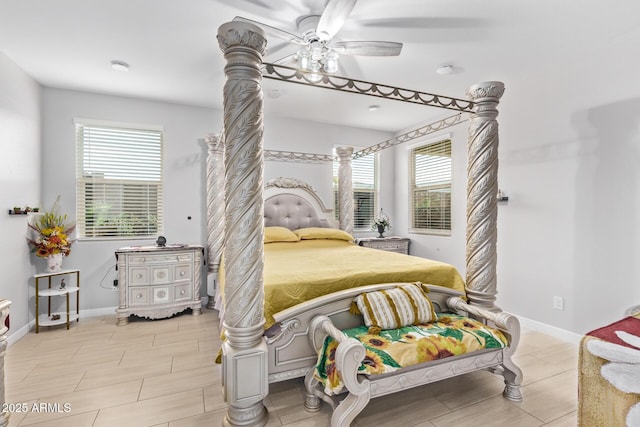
{"points": [[381, 223], [51, 237]]}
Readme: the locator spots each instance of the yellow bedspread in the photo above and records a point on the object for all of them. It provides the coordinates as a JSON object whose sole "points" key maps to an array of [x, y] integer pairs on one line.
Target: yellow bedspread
{"points": [[295, 272]]}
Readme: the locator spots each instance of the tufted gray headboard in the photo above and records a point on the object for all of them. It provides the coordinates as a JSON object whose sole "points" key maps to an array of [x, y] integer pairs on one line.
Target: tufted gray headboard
{"points": [[291, 211], [291, 203]]}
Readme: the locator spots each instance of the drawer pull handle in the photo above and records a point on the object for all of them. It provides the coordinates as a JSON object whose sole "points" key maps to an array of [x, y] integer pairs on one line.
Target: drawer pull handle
{"points": [[138, 276], [182, 273], [161, 275], [162, 294], [182, 292], [139, 296]]}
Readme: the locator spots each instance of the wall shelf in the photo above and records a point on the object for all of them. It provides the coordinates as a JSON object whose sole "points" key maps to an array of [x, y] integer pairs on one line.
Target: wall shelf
{"points": [[13, 212]]}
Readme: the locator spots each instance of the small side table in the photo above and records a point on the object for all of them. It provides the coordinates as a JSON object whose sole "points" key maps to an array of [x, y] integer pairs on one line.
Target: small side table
{"points": [[60, 317], [389, 244]]}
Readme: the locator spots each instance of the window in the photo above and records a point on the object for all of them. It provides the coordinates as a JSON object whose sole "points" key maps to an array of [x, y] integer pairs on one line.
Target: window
{"points": [[365, 199], [430, 188], [119, 181]]}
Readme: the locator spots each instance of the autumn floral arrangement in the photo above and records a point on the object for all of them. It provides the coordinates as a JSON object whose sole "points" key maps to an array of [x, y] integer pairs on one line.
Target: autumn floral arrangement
{"points": [[52, 233]]}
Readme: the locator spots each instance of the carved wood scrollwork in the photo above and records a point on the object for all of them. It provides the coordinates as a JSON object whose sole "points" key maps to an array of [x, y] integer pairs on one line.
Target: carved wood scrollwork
{"points": [[285, 328]]}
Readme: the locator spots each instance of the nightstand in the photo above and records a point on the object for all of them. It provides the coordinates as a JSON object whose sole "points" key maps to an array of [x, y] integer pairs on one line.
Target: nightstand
{"points": [[390, 244]]}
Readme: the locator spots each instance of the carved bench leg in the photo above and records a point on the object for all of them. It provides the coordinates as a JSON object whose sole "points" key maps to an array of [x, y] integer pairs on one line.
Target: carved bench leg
{"points": [[349, 409], [512, 380], [349, 355], [311, 401]]}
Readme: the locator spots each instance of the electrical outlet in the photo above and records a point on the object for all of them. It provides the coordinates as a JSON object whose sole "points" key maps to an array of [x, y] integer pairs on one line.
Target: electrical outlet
{"points": [[558, 303]]}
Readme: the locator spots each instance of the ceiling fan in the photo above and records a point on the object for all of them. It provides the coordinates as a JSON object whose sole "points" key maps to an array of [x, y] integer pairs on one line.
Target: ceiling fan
{"points": [[317, 50]]}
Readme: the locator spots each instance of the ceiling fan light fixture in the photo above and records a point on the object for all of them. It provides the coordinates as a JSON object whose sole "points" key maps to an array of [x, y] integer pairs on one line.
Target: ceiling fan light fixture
{"points": [[317, 57], [331, 62], [317, 50], [304, 59], [314, 75]]}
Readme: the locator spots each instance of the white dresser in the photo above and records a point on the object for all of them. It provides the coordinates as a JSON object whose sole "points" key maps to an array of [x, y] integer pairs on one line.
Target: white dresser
{"points": [[158, 282]]}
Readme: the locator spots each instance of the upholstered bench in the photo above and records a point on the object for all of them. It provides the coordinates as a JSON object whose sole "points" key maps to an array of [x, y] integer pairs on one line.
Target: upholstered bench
{"points": [[367, 362]]}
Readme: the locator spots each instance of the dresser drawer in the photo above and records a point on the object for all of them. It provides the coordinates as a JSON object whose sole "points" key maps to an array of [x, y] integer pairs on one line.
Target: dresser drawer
{"points": [[160, 275], [185, 257], [182, 292], [182, 272], [397, 250], [390, 246], [138, 296], [160, 294], [138, 276], [160, 258]]}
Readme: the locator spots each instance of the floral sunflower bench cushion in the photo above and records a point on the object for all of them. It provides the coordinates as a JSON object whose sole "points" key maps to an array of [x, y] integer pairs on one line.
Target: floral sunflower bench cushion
{"points": [[390, 350]]}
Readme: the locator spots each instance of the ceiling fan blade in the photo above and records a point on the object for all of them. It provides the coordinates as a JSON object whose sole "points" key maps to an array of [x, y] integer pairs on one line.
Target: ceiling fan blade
{"points": [[333, 18], [421, 23], [368, 48], [275, 32]]}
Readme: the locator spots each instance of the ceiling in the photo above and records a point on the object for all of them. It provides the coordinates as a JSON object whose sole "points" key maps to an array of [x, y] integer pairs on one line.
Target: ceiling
{"points": [[174, 56]]}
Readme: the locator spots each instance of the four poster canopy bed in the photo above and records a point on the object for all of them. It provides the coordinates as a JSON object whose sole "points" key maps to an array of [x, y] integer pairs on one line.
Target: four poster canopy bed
{"points": [[288, 279]]}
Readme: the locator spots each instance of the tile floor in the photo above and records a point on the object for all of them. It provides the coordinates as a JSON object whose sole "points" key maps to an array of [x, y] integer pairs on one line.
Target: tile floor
{"points": [[161, 373]]}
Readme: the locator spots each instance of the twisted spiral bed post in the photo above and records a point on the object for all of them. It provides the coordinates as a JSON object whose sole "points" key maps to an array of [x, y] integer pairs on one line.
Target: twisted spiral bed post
{"points": [[245, 382], [345, 188], [482, 190], [215, 210]]}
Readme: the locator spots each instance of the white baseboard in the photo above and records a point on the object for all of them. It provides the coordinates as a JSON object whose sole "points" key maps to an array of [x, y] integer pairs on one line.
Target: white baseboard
{"points": [[15, 337], [92, 312], [553, 331], [96, 312]]}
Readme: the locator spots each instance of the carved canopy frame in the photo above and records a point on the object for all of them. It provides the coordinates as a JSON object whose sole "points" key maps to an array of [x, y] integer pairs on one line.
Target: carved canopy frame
{"points": [[241, 153]]}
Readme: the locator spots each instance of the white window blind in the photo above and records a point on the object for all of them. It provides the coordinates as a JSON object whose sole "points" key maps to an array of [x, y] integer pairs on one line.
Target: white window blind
{"points": [[363, 176], [119, 181], [430, 181]]}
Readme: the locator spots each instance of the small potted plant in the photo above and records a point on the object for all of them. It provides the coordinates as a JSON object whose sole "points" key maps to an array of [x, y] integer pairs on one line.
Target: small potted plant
{"points": [[381, 223], [17, 210]]}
